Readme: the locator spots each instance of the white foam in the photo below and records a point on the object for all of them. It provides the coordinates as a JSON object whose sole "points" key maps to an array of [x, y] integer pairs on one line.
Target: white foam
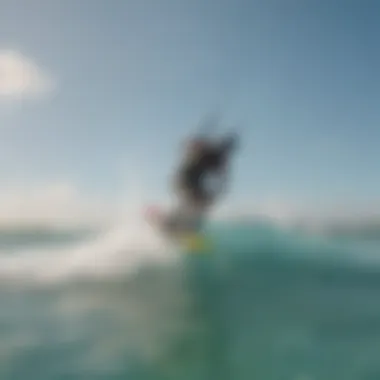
{"points": [[121, 250]]}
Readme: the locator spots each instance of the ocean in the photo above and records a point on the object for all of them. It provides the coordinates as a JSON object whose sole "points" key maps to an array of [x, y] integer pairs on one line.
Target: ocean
{"points": [[268, 303]]}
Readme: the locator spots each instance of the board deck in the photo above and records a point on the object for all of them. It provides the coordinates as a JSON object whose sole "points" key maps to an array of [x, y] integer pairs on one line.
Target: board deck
{"points": [[185, 231]]}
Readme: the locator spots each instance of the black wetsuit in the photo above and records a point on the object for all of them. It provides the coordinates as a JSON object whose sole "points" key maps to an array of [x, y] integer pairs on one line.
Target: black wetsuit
{"points": [[191, 175], [192, 187]]}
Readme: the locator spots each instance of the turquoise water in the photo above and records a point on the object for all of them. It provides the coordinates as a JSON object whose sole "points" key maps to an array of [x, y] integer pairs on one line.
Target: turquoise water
{"points": [[267, 304]]}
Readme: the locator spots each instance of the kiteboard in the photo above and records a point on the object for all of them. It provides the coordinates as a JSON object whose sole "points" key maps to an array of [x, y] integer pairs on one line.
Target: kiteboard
{"points": [[183, 229]]}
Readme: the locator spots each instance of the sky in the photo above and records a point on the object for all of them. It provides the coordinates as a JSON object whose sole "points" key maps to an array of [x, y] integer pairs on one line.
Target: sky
{"points": [[96, 98]]}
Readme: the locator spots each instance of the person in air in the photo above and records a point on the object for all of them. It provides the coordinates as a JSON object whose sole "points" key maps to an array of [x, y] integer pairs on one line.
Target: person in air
{"points": [[203, 175], [199, 181]]}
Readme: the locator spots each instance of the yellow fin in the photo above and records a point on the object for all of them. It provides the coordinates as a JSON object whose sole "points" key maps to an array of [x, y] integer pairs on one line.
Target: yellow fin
{"points": [[196, 242]]}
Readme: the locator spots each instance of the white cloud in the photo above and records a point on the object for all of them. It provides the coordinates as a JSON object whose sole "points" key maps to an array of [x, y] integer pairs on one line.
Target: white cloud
{"points": [[57, 204], [274, 208], [287, 212], [22, 78], [62, 204]]}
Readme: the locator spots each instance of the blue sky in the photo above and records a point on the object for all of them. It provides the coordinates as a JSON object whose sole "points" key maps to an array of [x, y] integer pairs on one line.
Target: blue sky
{"points": [[132, 78]]}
